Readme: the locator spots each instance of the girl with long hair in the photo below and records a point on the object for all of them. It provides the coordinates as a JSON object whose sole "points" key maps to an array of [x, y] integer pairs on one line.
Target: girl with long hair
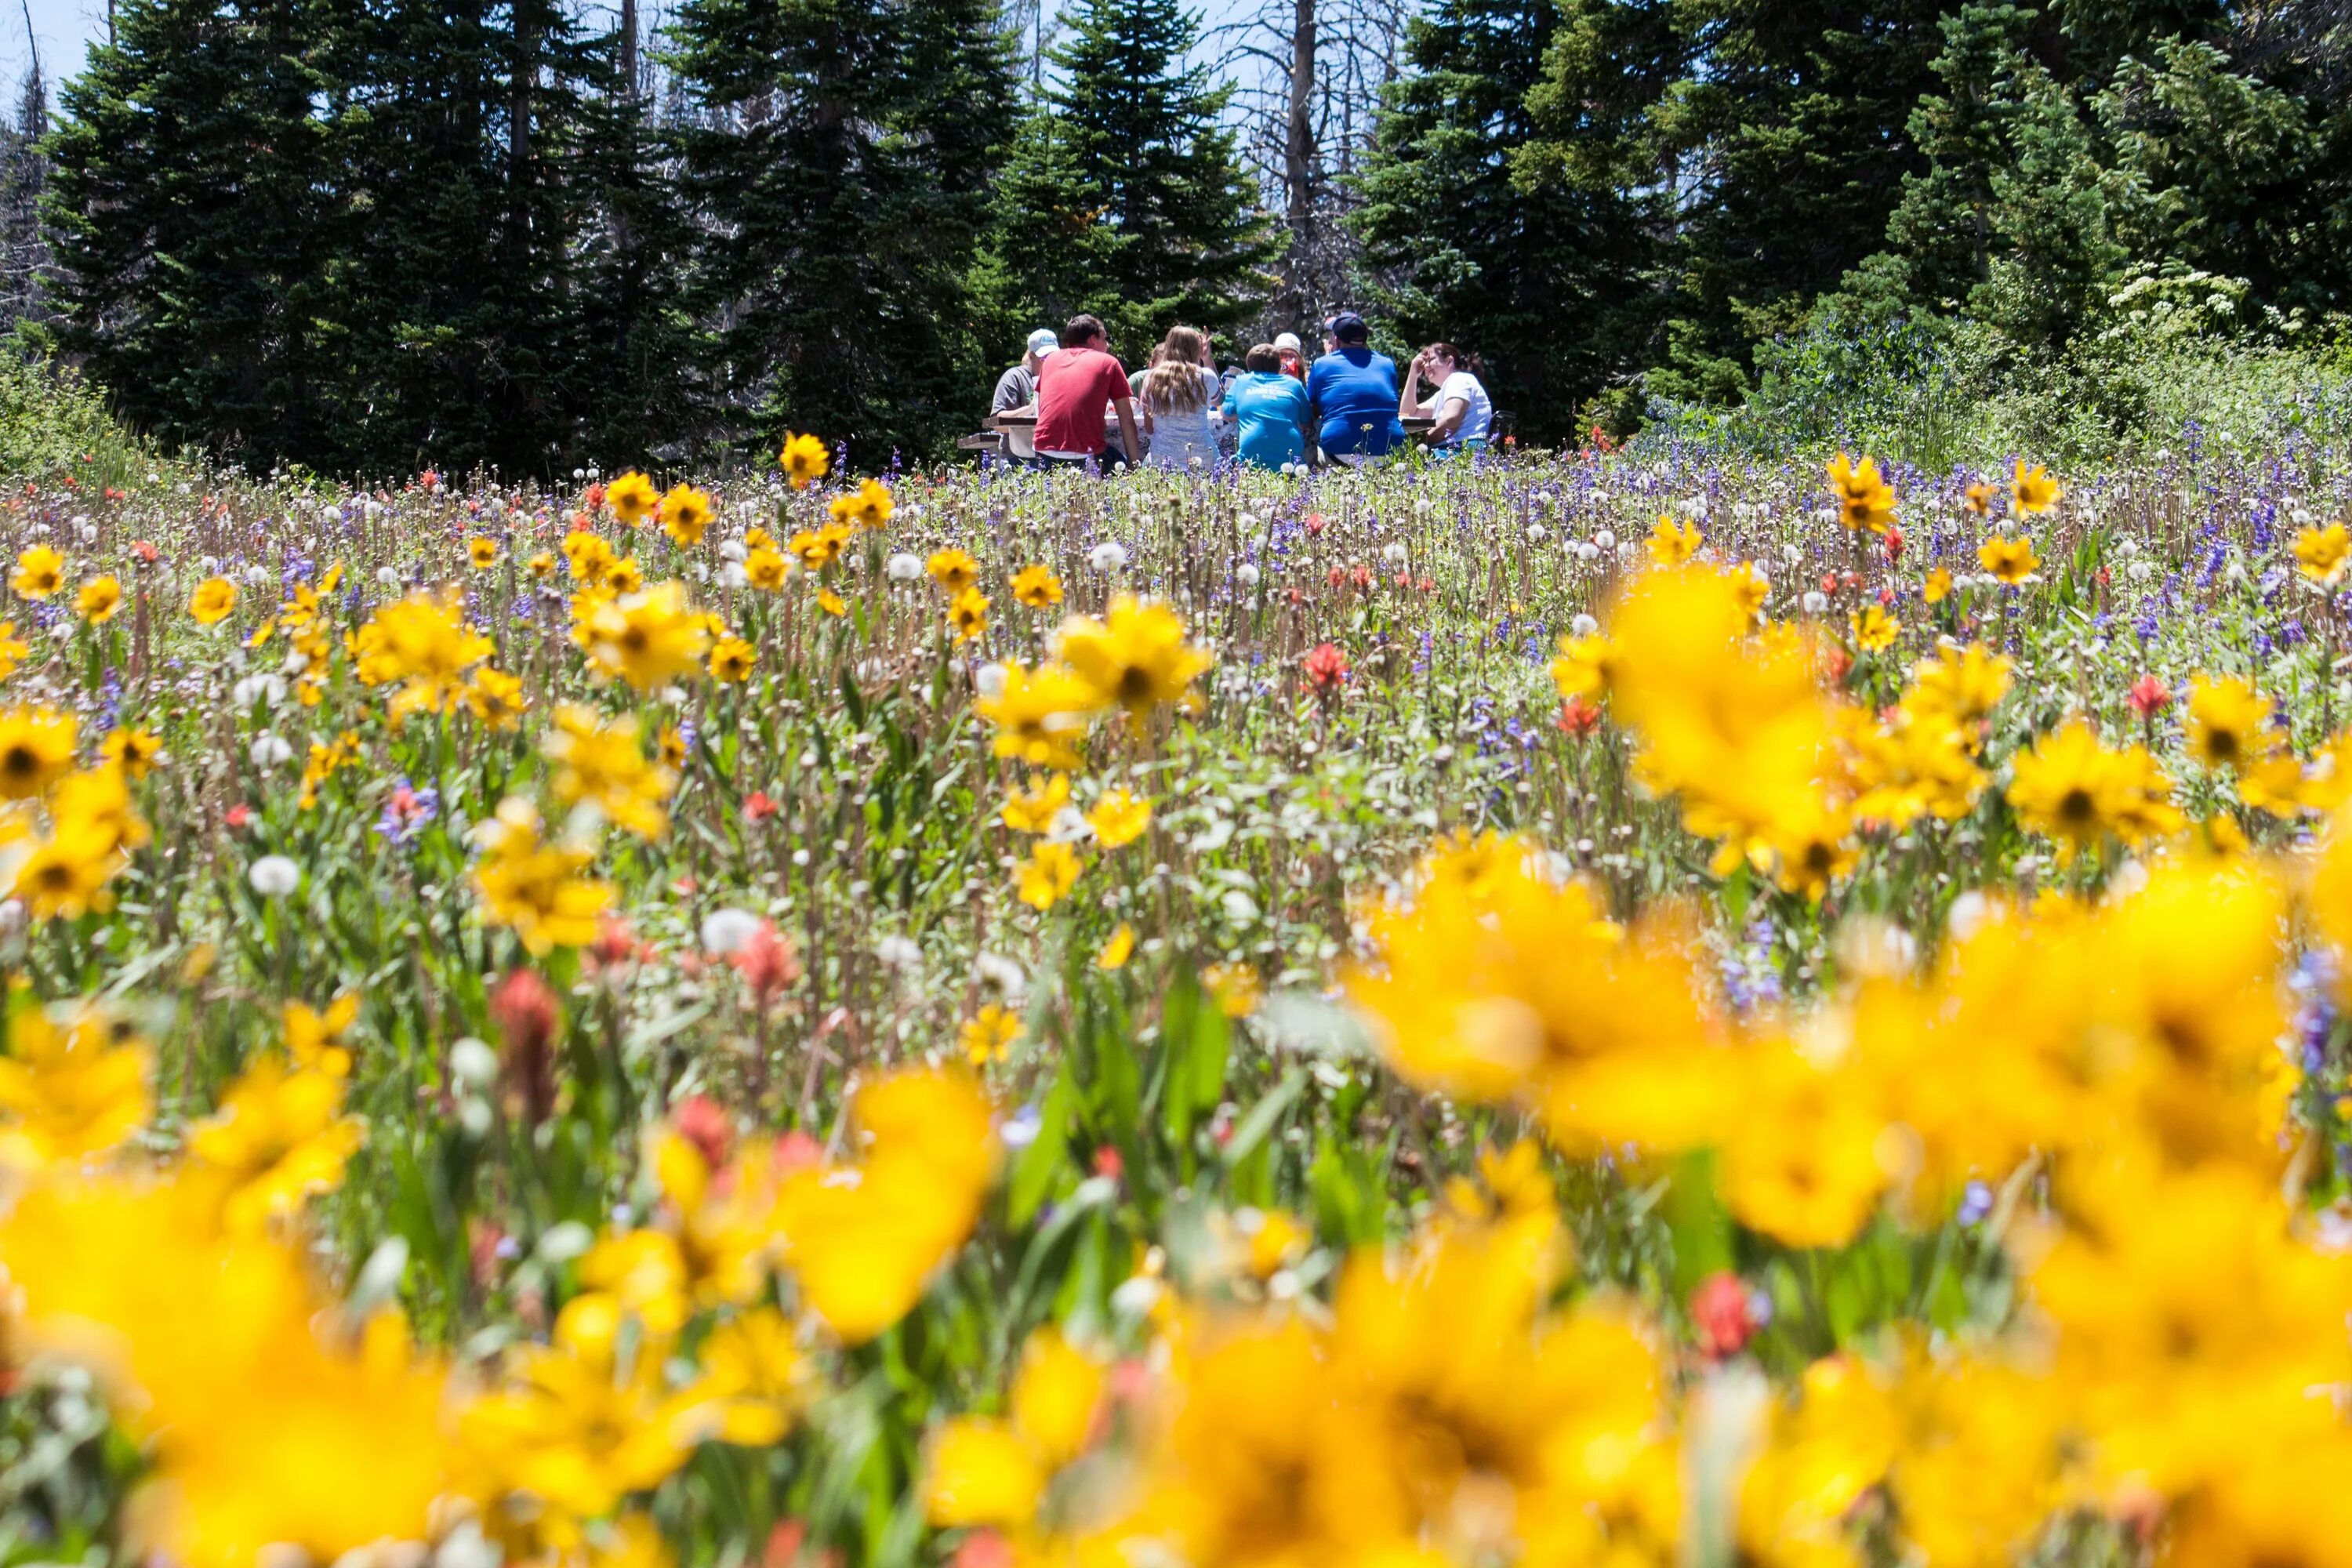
{"points": [[1180, 398]]}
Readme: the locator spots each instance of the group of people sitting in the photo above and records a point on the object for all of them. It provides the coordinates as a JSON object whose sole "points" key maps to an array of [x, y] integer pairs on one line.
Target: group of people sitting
{"points": [[1272, 411]]}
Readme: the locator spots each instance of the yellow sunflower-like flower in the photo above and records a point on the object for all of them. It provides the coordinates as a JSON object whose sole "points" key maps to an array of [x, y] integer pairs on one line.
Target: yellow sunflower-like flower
{"points": [[1864, 499], [69, 1092], [952, 569], [1037, 587], [40, 572], [1118, 818], [279, 1138], [632, 498], [213, 600], [1672, 542], [686, 512], [2229, 723], [868, 506], [99, 600], [968, 614], [647, 639], [1050, 872], [1874, 629], [1136, 658], [2009, 560], [2320, 554], [987, 1036], [804, 460], [730, 661], [2031, 490], [36, 749], [534, 888]]}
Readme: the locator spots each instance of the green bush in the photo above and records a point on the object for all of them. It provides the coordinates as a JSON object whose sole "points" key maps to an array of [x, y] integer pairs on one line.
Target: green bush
{"points": [[51, 419], [2171, 357]]}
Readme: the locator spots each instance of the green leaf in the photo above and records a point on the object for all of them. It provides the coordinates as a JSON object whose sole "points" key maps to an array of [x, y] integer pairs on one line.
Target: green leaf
{"points": [[1033, 1175], [1255, 1127]]}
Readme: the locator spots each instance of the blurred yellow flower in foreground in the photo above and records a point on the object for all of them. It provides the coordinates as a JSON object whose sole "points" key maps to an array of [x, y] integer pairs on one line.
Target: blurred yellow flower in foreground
{"points": [[1040, 715], [647, 639], [984, 1470], [68, 1092], [604, 763], [863, 1239], [268, 1434], [278, 1139]]}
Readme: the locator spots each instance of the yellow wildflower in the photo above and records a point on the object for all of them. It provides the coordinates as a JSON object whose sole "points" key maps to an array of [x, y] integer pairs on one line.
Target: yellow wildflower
{"points": [[803, 459]]}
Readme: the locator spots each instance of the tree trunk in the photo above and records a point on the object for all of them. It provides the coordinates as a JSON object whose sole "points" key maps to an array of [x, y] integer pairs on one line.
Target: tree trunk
{"points": [[629, 49], [1299, 161]]}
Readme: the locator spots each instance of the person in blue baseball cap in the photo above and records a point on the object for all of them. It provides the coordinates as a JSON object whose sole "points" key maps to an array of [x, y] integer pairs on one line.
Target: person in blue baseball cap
{"points": [[1353, 392]]}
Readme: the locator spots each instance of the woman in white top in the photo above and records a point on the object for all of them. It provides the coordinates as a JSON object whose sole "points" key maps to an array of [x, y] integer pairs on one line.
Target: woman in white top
{"points": [[1180, 400], [1464, 417]]}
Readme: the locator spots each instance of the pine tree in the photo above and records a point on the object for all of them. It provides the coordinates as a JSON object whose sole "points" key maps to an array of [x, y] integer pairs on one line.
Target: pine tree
{"points": [[1942, 228], [1508, 203], [838, 160], [637, 342], [2099, 35], [458, 143], [2235, 174], [1047, 255], [1790, 137], [23, 172], [2053, 210], [1152, 162], [186, 201]]}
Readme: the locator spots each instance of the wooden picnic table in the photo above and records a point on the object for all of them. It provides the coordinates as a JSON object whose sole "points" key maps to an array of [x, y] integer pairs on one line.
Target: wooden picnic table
{"points": [[1029, 422]]}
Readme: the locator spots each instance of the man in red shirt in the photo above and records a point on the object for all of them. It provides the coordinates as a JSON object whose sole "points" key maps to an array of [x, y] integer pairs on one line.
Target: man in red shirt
{"points": [[1075, 386]]}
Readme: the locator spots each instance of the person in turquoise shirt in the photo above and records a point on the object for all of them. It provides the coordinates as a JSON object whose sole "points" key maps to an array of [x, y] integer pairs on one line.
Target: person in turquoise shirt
{"points": [[1353, 391], [1270, 410]]}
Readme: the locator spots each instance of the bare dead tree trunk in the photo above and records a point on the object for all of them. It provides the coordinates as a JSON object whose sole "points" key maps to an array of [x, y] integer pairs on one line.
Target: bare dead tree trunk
{"points": [[1299, 159], [629, 49]]}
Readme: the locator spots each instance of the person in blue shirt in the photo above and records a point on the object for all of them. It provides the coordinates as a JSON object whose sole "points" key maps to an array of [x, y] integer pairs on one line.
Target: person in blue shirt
{"points": [[1270, 410], [1353, 391]]}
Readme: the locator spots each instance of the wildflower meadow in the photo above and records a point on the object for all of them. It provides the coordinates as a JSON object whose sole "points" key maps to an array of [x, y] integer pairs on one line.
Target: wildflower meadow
{"points": [[1666, 1006]]}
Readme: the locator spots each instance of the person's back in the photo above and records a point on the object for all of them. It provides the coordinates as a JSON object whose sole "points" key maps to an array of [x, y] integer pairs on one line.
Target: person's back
{"points": [[1354, 393], [1015, 389], [1077, 387], [1178, 434], [1270, 409], [1176, 396]]}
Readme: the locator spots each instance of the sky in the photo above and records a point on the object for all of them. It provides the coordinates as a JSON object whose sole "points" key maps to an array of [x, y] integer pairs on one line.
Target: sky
{"points": [[64, 28]]}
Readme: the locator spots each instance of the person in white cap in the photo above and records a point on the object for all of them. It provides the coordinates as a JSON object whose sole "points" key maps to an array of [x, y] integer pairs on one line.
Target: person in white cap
{"points": [[1294, 356], [1016, 392]]}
